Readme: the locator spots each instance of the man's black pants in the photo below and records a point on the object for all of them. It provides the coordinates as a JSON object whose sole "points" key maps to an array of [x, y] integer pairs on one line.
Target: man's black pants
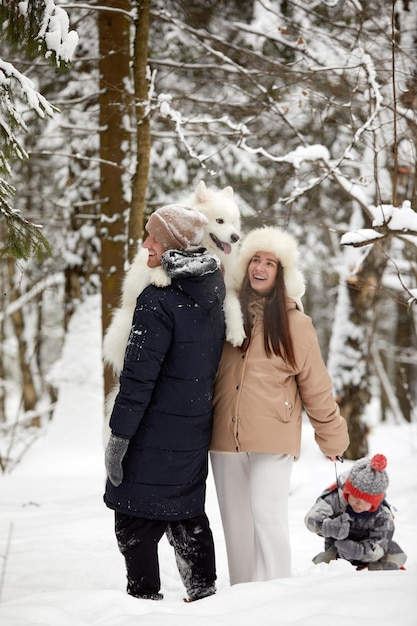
{"points": [[192, 541]]}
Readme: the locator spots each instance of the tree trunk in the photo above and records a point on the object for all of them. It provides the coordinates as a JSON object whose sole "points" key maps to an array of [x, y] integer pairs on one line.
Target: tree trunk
{"points": [[114, 138], [143, 136], [2, 377], [3, 281], [353, 390], [405, 369], [29, 394]]}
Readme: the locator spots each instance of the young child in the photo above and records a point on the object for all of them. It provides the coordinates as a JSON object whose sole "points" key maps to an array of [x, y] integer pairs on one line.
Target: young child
{"points": [[355, 520]]}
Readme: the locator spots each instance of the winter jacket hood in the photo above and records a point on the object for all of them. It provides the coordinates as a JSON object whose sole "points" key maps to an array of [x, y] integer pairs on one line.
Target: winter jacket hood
{"points": [[195, 273]]}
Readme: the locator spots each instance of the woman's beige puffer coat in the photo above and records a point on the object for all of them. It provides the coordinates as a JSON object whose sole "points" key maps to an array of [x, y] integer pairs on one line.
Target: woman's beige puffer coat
{"points": [[258, 401]]}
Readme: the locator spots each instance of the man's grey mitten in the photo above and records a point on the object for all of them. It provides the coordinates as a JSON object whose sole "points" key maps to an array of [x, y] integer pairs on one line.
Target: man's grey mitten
{"points": [[113, 457], [349, 550], [336, 527]]}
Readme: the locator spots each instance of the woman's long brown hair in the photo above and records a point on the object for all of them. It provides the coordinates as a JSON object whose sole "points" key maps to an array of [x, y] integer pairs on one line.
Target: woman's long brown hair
{"points": [[277, 338]]}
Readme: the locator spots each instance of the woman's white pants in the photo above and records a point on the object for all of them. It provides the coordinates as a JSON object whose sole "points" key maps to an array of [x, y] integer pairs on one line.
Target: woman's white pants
{"points": [[252, 490]]}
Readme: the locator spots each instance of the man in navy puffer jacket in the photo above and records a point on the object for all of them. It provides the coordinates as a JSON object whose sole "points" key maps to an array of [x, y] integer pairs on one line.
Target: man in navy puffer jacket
{"points": [[157, 455]]}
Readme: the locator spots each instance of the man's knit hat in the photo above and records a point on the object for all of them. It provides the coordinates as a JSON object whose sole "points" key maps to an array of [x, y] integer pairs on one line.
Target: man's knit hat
{"points": [[177, 227], [368, 480]]}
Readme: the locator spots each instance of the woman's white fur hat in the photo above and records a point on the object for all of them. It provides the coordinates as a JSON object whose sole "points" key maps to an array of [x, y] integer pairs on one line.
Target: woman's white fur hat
{"points": [[284, 247]]}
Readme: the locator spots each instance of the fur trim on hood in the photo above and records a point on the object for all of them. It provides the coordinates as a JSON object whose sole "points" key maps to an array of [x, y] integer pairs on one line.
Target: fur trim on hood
{"points": [[284, 247]]}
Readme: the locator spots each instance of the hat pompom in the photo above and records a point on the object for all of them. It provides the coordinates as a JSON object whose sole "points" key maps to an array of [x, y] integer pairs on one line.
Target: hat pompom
{"points": [[379, 462]]}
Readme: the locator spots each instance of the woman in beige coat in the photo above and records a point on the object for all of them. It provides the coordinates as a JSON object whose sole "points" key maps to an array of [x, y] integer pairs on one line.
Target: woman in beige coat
{"points": [[261, 389]]}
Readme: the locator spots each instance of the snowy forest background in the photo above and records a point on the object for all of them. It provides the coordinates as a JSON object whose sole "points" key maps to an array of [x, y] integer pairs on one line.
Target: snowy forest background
{"points": [[111, 109]]}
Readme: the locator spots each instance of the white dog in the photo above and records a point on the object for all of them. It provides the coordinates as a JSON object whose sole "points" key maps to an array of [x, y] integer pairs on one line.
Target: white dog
{"points": [[220, 238]]}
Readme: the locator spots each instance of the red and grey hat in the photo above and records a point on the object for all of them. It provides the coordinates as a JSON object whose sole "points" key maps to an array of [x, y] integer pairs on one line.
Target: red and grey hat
{"points": [[368, 480]]}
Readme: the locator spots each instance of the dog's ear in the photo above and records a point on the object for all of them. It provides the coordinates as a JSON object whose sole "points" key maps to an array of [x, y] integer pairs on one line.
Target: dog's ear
{"points": [[201, 192], [228, 191]]}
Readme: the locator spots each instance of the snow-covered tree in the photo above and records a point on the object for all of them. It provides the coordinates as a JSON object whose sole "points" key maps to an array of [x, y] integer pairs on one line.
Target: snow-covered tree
{"points": [[306, 102], [306, 109], [30, 32], [41, 28]]}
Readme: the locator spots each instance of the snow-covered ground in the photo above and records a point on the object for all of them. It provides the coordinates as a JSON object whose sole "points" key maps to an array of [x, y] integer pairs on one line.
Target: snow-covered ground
{"points": [[59, 564]]}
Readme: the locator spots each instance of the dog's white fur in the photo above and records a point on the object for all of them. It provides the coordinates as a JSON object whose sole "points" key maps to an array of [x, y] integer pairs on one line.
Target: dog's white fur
{"points": [[221, 238], [223, 226]]}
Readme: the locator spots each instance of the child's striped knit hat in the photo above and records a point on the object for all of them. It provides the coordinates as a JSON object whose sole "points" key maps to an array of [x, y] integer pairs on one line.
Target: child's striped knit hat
{"points": [[368, 480]]}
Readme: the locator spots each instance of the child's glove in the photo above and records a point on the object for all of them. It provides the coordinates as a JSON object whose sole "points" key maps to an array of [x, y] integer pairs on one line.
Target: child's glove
{"points": [[349, 550], [336, 527], [113, 457]]}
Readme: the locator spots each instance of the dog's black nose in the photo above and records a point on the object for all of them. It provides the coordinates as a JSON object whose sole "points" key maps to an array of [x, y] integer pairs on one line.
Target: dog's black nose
{"points": [[235, 238]]}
